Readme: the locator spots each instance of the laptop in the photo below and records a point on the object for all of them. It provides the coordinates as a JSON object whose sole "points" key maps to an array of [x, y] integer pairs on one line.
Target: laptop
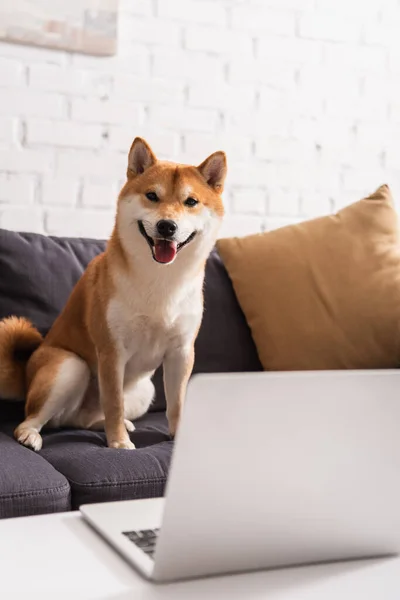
{"points": [[270, 470]]}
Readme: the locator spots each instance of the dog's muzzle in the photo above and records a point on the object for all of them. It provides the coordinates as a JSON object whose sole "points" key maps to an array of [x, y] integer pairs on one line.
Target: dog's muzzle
{"points": [[165, 248]]}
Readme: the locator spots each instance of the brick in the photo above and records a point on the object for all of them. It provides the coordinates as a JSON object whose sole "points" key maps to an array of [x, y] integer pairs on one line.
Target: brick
{"points": [[317, 79], [221, 96], [164, 144], [32, 104], [310, 175], [335, 133], [150, 31], [383, 29], [363, 181], [304, 128], [344, 198], [17, 189], [94, 110], [205, 12], [261, 123], [26, 161], [183, 118], [288, 4], [394, 61], [8, 130], [11, 72], [132, 58], [249, 202], [283, 202], [280, 148], [300, 103], [342, 104], [394, 111], [137, 7], [64, 134], [188, 65], [155, 90], [353, 57], [53, 78], [315, 204], [80, 223], [261, 18], [22, 219], [355, 156], [330, 27], [381, 86], [252, 71], [100, 194], [251, 174], [85, 163], [239, 226], [199, 146], [379, 33], [354, 8], [59, 191], [292, 50], [273, 100], [220, 41], [375, 134], [392, 155], [32, 54], [272, 223]]}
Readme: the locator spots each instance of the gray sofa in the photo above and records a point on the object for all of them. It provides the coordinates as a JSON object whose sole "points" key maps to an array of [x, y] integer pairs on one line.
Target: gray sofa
{"points": [[37, 273]]}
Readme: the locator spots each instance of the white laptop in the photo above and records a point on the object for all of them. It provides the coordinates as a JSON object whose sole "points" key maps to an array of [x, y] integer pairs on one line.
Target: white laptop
{"points": [[270, 470]]}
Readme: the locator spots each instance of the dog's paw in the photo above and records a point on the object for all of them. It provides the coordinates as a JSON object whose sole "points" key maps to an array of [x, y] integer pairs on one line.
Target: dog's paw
{"points": [[29, 437], [126, 444], [129, 425]]}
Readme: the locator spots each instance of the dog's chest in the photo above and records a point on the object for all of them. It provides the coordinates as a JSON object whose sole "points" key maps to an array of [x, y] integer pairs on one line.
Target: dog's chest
{"points": [[140, 337], [144, 327]]}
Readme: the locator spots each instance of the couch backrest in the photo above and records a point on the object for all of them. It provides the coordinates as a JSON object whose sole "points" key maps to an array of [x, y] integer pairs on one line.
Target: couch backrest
{"points": [[37, 274]]}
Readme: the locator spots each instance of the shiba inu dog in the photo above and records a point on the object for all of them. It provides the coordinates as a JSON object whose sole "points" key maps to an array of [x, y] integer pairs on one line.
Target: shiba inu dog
{"points": [[138, 305]]}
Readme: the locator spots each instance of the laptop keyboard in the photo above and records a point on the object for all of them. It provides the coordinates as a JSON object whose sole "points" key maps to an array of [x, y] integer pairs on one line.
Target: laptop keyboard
{"points": [[145, 539]]}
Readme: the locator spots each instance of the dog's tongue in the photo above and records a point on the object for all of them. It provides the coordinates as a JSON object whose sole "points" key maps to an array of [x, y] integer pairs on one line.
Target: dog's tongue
{"points": [[164, 250]]}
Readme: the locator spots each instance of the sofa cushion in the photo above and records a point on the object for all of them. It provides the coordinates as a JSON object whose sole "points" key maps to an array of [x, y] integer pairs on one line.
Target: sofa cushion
{"points": [[100, 474], [323, 294], [37, 274], [29, 485]]}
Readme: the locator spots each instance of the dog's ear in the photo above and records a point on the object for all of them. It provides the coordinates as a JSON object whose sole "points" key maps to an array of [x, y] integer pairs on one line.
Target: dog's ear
{"points": [[214, 170], [140, 158]]}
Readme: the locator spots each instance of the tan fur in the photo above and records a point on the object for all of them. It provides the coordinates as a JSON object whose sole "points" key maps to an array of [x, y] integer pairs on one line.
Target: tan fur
{"points": [[127, 314], [18, 340]]}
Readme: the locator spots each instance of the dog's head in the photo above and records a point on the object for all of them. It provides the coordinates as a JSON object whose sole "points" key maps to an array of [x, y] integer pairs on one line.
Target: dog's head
{"points": [[165, 208]]}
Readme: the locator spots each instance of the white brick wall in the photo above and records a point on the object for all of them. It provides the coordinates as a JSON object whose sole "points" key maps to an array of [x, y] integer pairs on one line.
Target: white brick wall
{"points": [[303, 95]]}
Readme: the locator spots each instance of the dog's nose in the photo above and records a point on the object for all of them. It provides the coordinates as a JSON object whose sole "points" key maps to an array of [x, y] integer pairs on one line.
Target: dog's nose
{"points": [[166, 228]]}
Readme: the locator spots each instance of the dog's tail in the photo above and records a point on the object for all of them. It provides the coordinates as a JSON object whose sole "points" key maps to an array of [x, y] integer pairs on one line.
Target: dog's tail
{"points": [[18, 340]]}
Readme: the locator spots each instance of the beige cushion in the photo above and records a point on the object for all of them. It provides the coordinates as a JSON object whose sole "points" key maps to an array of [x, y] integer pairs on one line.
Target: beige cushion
{"points": [[323, 294]]}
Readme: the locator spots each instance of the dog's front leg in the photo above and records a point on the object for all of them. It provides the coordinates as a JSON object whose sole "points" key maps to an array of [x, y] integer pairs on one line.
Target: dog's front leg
{"points": [[111, 384], [178, 365]]}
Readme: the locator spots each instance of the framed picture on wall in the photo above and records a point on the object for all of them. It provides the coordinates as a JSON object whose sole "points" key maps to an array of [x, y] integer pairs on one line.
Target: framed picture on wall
{"points": [[87, 26]]}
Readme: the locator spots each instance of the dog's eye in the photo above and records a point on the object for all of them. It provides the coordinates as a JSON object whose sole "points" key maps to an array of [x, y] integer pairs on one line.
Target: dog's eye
{"points": [[191, 202], [152, 196]]}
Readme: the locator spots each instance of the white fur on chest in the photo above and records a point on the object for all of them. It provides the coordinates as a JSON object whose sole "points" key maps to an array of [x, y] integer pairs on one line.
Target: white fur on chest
{"points": [[149, 316]]}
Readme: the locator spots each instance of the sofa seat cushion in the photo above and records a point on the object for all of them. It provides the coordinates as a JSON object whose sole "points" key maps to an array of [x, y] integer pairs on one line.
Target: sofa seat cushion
{"points": [[100, 474], [29, 485]]}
